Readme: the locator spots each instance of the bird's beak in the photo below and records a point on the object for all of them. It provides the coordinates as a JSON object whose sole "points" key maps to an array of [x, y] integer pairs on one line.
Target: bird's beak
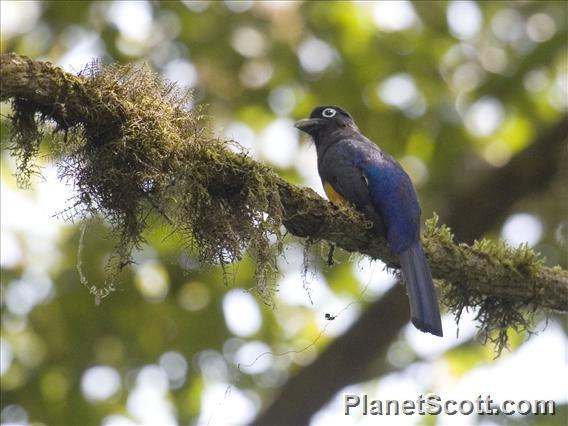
{"points": [[308, 124]]}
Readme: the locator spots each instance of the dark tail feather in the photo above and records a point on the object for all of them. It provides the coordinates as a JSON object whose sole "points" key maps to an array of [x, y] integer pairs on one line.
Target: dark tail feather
{"points": [[424, 309]]}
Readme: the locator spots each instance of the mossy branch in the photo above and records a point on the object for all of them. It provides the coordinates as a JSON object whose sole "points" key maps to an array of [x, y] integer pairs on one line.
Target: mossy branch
{"points": [[133, 148]]}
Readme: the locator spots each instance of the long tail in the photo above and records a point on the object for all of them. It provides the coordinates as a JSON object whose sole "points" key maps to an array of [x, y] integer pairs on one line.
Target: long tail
{"points": [[424, 309]]}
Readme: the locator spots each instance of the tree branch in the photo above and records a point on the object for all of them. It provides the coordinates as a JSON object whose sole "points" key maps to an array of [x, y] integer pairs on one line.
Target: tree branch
{"points": [[470, 213], [351, 355], [489, 270], [470, 272]]}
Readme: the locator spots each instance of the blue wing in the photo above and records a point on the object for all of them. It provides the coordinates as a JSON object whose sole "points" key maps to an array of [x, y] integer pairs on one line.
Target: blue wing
{"points": [[374, 181], [341, 167], [393, 196]]}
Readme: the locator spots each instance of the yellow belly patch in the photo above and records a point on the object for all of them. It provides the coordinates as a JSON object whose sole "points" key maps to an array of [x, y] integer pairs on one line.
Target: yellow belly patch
{"points": [[333, 196]]}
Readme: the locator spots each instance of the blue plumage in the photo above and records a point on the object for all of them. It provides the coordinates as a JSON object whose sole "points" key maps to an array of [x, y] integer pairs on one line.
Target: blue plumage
{"points": [[393, 196], [355, 170]]}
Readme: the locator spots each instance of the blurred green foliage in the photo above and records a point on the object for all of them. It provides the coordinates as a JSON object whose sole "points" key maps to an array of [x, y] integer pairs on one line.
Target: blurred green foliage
{"points": [[451, 99]]}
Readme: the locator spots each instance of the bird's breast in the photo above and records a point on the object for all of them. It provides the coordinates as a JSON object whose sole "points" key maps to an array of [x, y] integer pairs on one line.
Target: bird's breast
{"points": [[333, 195]]}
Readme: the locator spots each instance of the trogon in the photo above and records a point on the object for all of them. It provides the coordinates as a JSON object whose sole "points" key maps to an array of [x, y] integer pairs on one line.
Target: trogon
{"points": [[354, 170]]}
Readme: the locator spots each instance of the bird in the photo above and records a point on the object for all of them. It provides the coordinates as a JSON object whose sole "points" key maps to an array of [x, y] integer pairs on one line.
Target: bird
{"points": [[355, 171]]}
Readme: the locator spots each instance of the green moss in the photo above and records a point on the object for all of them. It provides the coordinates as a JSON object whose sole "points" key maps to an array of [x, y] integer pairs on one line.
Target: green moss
{"points": [[485, 264], [496, 316], [432, 231], [139, 151], [26, 140], [135, 151]]}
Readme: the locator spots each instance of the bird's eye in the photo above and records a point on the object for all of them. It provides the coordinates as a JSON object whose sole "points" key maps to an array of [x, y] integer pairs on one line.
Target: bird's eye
{"points": [[329, 112]]}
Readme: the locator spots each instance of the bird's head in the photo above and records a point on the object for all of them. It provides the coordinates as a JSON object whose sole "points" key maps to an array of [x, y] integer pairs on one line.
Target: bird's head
{"points": [[326, 118]]}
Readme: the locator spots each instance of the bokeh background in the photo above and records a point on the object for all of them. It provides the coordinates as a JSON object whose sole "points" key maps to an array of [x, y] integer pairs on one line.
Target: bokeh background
{"points": [[454, 90]]}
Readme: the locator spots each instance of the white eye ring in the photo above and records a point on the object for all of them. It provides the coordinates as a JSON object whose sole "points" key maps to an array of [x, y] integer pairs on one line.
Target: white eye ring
{"points": [[328, 113]]}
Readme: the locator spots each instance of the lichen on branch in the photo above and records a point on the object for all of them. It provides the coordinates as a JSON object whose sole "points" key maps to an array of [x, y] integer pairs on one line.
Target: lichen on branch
{"points": [[135, 148]]}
